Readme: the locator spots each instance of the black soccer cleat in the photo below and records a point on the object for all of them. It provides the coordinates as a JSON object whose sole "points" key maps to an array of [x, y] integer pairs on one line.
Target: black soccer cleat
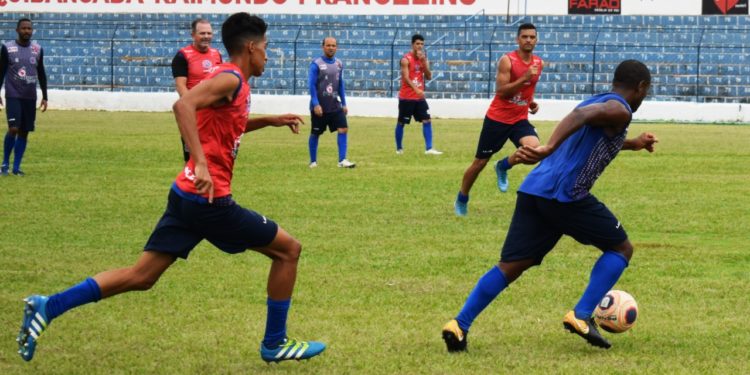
{"points": [[586, 329], [454, 337]]}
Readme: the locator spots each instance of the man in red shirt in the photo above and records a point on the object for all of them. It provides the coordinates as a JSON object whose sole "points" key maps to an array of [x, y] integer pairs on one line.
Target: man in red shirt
{"points": [[507, 117], [212, 118], [194, 62], [411, 100]]}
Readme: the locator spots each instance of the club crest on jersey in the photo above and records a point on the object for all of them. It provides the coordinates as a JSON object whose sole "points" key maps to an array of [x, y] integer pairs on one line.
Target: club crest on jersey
{"points": [[32, 60], [329, 88], [189, 173], [206, 64], [22, 72]]}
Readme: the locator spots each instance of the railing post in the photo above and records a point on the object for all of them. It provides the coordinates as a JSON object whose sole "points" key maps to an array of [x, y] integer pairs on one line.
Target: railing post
{"points": [[698, 67], [593, 64], [294, 72]]}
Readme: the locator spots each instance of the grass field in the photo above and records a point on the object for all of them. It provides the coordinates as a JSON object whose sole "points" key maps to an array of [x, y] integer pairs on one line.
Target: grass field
{"points": [[385, 262]]}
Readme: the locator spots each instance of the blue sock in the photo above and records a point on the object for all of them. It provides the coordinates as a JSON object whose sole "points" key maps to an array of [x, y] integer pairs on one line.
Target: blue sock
{"points": [[312, 144], [81, 294], [427, 133], [341, 141], [19, 148], [276, 322], [604, 275], [462, 198], [488, 287], [10, 141], [399, 135], [504, 165]]}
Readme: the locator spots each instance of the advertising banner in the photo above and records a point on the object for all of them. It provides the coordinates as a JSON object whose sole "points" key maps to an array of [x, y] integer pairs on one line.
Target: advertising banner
{"points": [[724, 7], [594, 7]]}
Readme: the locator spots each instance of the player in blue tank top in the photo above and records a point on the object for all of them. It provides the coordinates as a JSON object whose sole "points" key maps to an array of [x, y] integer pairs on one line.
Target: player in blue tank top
{"points": [[555, 199]]}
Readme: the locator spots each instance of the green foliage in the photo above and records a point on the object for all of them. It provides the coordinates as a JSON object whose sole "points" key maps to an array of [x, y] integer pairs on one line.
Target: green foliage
{"points": [[385, 262]]}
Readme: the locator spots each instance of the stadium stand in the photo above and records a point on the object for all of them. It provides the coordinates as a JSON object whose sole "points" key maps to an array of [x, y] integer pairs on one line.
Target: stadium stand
{"points": [[693, 58]]}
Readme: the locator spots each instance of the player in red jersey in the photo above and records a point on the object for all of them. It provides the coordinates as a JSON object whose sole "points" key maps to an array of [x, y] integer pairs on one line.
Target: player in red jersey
{"points": [[507, 117], [195, 62], [411, 100], [212, 118]]}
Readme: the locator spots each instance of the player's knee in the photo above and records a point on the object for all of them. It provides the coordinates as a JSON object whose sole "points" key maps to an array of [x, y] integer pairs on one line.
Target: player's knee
{"points": [[141, 281], [626, 249], [292, 251], [13, 131], [480, 163]]}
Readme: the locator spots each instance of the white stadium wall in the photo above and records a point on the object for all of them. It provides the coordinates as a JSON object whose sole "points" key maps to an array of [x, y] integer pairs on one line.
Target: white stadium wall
{"points": [[395, 7]]}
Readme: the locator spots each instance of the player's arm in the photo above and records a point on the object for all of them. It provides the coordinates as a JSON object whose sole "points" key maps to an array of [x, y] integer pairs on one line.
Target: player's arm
{"points": [[312, 86], [342, 92], [290, 120], [503, 85], [426, 66], [611, 115], [215, 91], [3, 66], [644, 141], [533, 105], [42, 76], [180, 72], [405, 76]]}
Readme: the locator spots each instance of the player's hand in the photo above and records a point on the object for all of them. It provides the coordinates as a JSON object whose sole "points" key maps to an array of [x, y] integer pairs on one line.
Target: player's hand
{"points": [[203, 182], [43, 105], [290, 120], [1, 104], [532, 155], [318, 110], [645, 141], [419, 92], [346, 110], [533, 107]]}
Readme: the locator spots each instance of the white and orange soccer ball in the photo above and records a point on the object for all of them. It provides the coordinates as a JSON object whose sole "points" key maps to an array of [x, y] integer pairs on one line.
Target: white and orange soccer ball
{"points": [[617, 312]]}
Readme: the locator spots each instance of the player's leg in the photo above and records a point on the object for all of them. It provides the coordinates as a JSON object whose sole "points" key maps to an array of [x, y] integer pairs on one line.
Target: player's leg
{"points": [[522, 134], [28, 119], [14, 115], [338, 123], [317, 128], [284, 252], [39, 311], [529, 239], [405, 112], [460, 206], [422, 114]]}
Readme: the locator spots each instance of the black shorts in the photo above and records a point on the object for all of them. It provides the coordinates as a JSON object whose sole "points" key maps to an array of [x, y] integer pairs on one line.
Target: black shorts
{"points": [[495, 134], [21, 113], [538, 223], [225, 224], [333, 121], [413, 108]]}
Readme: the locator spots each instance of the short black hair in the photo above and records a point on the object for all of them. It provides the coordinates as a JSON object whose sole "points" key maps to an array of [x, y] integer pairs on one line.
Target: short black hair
{"points": [[239, 28], [525, 26], [323, 43], [194, 24], [416, 37], [630, 73], [23, 20]]}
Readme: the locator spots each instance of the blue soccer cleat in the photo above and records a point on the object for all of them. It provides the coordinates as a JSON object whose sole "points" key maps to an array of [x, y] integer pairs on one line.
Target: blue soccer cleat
{"points": [[19, 173], [34, 323], [502, 178], [292, 349], [4, 170], [460, 208]]}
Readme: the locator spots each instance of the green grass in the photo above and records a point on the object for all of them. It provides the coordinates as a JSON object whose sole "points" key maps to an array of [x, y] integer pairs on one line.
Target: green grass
{"points": [[385, 262]]}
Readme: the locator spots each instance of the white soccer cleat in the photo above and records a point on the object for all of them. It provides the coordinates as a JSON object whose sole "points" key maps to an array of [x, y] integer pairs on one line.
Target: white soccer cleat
{"points": [[400, 151], [433, 151], [346, 164], [313, 165]]}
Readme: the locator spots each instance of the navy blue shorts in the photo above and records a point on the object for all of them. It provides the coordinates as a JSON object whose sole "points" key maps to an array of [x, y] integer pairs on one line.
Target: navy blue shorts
{"points": [[224, 223], [21, 113], [494, 135], [538, 223], [413, 108], [332, 121]]}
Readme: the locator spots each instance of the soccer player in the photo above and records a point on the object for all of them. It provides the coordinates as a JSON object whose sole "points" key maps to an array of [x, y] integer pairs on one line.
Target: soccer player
{"points": [[21, 66], [554, 199], [326, 83], [411, 101], [195, 62], [508, 115], [212, 118]]}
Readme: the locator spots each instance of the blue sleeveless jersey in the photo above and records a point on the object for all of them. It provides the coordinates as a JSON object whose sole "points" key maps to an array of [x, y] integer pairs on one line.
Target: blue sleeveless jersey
{"points": [[569, 173]]}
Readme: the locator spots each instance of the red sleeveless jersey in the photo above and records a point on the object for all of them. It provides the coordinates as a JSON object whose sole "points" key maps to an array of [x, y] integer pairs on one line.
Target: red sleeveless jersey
{"points": [[416, 75], [516, 108], [200, 64], [220, 130]]}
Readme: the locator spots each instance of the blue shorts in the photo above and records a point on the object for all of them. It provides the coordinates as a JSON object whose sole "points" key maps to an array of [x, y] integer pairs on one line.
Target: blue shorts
{"points": [[494, 135], [224, 223], [332, 121], [413, 108], [538, 223], [21, 113]]}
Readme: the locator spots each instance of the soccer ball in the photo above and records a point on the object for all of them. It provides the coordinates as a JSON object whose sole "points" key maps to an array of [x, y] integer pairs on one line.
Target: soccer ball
{"points": [[616, 312]]}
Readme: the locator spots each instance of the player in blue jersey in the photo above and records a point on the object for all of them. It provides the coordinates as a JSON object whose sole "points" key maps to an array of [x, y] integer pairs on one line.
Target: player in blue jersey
{"points": [[21, 66], [555, 200], [326, 84]]}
